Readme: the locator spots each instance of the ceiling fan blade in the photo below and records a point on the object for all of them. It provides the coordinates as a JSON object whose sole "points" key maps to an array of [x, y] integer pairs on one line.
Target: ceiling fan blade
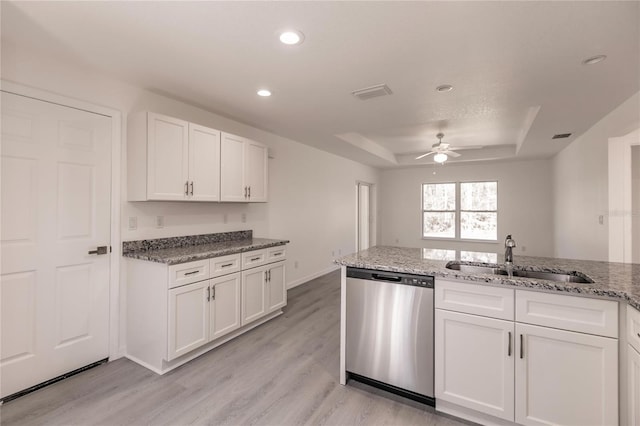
{"points": [[424, 155], [462, 148], [452, 153]]}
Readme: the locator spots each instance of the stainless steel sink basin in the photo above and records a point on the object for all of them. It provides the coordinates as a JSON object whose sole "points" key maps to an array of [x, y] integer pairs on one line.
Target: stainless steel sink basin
{"points": [[565, 276]]}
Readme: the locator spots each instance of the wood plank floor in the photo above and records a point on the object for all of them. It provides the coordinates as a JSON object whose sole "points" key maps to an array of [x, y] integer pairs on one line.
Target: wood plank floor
{"points": [[284, 372]]}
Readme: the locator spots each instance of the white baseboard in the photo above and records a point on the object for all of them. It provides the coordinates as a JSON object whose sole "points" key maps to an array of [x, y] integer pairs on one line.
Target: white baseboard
{"points": [[303, 280]]}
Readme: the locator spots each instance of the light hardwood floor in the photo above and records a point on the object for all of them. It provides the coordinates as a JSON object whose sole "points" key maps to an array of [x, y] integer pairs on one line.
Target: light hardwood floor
{"points": [[284, 372]]}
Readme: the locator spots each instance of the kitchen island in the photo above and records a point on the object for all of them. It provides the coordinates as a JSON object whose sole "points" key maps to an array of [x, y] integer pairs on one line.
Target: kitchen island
{"points": [[514, 350], [615, 280]]}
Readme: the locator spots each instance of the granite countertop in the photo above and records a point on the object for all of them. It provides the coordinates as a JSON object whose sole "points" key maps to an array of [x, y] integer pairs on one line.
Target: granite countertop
{"points": [[615, 280], [186, 249]]}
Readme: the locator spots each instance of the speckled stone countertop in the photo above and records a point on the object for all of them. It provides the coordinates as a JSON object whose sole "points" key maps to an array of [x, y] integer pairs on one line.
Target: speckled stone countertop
{"points": [[187, 249], [615, 280]]}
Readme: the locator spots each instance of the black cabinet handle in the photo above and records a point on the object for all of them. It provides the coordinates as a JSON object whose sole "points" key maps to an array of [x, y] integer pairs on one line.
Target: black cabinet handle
{"points": [[509, 350], [191, 273], [521, 347]]}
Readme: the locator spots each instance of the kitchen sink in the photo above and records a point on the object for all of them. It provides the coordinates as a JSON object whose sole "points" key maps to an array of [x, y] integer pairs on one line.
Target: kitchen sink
{"points": [[564, 276]]}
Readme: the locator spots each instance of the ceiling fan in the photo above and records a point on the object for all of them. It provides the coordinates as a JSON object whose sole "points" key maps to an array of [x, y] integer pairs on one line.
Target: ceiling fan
{"points": [[441, 150]]}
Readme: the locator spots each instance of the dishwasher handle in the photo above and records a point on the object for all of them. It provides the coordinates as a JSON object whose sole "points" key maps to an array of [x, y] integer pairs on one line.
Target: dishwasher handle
{"points": [[392, 278]]}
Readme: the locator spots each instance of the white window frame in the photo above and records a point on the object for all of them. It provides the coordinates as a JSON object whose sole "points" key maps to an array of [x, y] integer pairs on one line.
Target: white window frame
{"points": [[458, 212]]}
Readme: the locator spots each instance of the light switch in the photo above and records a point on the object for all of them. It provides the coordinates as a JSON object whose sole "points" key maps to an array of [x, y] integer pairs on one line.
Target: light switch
{"points": [[601, 220], [159, 221]]}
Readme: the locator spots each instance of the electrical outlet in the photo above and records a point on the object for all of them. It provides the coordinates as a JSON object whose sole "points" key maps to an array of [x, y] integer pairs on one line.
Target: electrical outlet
{"points": [[295, 265], [601, 220], [159, 221], [333, 253], [133, 223], [339, 252], [243, 217], [397, 240], [523, 248], [225, 218]]}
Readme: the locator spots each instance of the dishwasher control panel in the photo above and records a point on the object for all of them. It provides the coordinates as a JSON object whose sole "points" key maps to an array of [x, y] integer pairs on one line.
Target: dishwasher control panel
{"points": [[394, 277]]}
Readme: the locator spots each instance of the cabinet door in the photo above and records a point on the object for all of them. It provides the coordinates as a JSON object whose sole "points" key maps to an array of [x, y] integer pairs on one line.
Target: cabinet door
{"points": [[188, 318], [474, 362], [256, 171], [253, 294], [633, 386], [225, 305], [204, 163], [276, 287], [565, 378], [168, 158], [232, 168]]}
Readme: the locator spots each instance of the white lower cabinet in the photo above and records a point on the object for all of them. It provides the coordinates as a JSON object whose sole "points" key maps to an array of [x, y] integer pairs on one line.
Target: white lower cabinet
{"points": [[565, 378], [188, 318], [492, 370], [474, 362], [177, 312], [276, 287], [224, 315], [253, 287], [633, 386], [200, 313], [264, 291]]}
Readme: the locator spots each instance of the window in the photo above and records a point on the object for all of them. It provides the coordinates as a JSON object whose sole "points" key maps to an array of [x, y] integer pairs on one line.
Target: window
{"points": [[460, 210]]}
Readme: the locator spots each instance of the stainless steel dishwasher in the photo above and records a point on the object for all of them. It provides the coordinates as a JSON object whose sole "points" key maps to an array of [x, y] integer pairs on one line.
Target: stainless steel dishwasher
{"points": [[389, 332]]}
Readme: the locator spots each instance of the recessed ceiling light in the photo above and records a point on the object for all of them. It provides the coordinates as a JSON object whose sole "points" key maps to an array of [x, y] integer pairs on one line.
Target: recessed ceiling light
{"points": [[291, 37], [594, 59], [444, 88], [264, 92]]}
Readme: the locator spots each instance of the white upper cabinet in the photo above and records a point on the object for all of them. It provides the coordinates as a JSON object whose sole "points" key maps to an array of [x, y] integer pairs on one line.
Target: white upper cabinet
{"points": [[172, 160], [204, 163], [167, 157], [243, 169], [232, 175], [256, 171]]}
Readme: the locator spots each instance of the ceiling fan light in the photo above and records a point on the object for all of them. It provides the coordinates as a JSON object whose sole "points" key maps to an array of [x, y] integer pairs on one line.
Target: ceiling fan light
{"points": [[440, 157]]}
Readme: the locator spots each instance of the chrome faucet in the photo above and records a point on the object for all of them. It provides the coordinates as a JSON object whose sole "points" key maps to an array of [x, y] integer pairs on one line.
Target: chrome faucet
{"points": [[509, 244]]}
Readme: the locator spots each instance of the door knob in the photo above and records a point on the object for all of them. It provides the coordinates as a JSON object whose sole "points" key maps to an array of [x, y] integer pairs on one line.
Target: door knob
{"points": [[99, 250]]}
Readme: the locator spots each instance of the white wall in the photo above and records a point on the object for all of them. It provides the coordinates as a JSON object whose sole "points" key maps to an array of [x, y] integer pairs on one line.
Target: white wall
{"points": [[635, 203], [581, 186], [311, 199], [524, 204]]}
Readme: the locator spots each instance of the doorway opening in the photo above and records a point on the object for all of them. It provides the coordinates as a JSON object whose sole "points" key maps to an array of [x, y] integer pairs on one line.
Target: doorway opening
{"points": [[363, 222]]}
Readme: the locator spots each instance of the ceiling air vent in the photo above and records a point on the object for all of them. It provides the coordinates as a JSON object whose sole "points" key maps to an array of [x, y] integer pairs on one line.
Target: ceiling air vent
{"points": [[561, 136], [372, 92]]}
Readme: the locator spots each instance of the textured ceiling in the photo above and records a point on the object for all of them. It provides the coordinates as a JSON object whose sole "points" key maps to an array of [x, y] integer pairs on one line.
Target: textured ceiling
{"points": [[516, 67]]}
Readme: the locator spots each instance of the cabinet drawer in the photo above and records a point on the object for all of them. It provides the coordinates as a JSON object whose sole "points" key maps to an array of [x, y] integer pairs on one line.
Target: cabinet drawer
{"points": [[275, 254], [251, 259], [187, 273], [224, 265], [572, 313], [474, 299], [633, 327]]}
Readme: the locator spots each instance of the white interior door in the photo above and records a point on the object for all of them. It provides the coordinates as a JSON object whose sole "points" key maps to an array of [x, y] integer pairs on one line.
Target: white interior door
{"points": [[56, 178], [364, 215]]}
